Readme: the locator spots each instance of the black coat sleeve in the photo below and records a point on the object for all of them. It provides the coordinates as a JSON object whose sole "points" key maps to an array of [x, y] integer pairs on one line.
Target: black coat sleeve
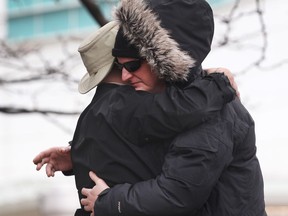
{"points": [[144, 117], [191, 168]]}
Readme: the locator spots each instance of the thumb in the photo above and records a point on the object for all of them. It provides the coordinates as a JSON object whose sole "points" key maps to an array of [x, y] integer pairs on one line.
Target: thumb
{"points": [[65, 149]]}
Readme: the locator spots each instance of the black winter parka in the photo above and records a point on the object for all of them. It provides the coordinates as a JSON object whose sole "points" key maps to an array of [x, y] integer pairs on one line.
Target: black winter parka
{"points": [[209, 170]]}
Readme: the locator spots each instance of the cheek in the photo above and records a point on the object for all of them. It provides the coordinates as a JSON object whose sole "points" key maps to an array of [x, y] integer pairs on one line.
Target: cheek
{"points": [[154, 80], [147, 76]]}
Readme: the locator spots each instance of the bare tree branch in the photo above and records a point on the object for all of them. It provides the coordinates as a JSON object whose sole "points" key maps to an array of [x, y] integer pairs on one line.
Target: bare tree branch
{"points": [[14, 110], [95, 11], [227, 39]]}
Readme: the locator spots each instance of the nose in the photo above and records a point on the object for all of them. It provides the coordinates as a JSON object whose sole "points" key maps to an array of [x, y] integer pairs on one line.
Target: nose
{"points": [[126, 75]]}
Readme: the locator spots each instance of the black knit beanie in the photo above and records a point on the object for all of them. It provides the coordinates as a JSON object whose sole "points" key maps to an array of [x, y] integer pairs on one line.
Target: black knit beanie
{"points": [[123, 48]]}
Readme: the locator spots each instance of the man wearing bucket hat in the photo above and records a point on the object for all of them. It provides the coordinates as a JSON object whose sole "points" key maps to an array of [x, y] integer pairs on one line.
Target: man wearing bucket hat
{"points": [[97, 145], [211, 169], [95, 51]]}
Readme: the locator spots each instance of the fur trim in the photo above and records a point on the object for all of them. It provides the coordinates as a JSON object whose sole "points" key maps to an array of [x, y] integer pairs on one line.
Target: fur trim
{"points": [[142, 28]]}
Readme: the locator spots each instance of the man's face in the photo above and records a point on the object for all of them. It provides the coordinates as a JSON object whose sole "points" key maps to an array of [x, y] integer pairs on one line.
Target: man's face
{"points": [[142, 79]]}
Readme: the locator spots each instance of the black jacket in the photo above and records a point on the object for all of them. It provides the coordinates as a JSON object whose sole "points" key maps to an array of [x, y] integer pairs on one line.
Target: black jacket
{"points": [[210, 170], [108, 133]]}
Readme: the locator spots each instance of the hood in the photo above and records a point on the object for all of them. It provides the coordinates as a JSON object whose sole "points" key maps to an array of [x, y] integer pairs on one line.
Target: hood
{"points": [[142, 28], [173, 36], [190, 22]]}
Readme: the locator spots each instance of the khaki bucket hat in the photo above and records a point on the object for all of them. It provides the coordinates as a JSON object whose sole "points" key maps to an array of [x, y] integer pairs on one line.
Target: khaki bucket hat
{"points": [[96, 54]]}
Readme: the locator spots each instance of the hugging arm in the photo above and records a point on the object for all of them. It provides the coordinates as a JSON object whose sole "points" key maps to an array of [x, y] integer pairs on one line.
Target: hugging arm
{"points": [[164, 115], [191, 169]]}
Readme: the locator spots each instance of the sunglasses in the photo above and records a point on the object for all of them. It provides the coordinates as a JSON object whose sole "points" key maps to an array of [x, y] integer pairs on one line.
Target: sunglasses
{"points": [[130, 66]]}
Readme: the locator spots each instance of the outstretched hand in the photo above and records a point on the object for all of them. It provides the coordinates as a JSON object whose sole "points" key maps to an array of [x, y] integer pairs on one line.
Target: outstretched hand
{"points": [[93, 193], [55, 158]]}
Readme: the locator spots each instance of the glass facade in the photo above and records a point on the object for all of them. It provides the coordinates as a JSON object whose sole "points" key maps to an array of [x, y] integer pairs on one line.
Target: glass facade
{"points": [[16, 4], [29, 19], [40, 18]]}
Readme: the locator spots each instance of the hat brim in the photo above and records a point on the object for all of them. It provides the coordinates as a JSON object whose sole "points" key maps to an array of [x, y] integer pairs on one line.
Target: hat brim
{"points": [[88, 82]]}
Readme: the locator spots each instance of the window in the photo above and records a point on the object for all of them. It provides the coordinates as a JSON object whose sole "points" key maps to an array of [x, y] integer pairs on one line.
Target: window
{"points": [[42, 18]]}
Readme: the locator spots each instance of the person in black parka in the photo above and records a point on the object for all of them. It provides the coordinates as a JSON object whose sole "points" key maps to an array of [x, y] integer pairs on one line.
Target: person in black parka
{"points": [[209, 170]]}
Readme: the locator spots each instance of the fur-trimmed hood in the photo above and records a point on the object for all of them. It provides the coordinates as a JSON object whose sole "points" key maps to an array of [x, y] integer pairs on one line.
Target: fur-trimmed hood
{"points": [[142, 28]]}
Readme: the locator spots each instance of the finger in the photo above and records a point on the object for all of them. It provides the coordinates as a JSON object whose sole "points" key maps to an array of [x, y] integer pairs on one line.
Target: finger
{"points": [[49, 171], [65, 149], [41, 163], [84, 201], [98, 181], [38, 159], [40, 156], [39, 166], [87, 208], [85, 191], [238, 95], [94, 177], [92, 214], [52, 172], [86, 204], [234, 85]]}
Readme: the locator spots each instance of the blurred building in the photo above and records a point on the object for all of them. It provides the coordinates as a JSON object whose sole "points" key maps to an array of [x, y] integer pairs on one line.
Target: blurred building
{"points": [[28, 19]]}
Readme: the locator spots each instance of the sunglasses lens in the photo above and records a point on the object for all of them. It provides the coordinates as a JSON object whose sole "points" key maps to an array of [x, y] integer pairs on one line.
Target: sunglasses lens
{"points": [[132, 66], [118, 65]]}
